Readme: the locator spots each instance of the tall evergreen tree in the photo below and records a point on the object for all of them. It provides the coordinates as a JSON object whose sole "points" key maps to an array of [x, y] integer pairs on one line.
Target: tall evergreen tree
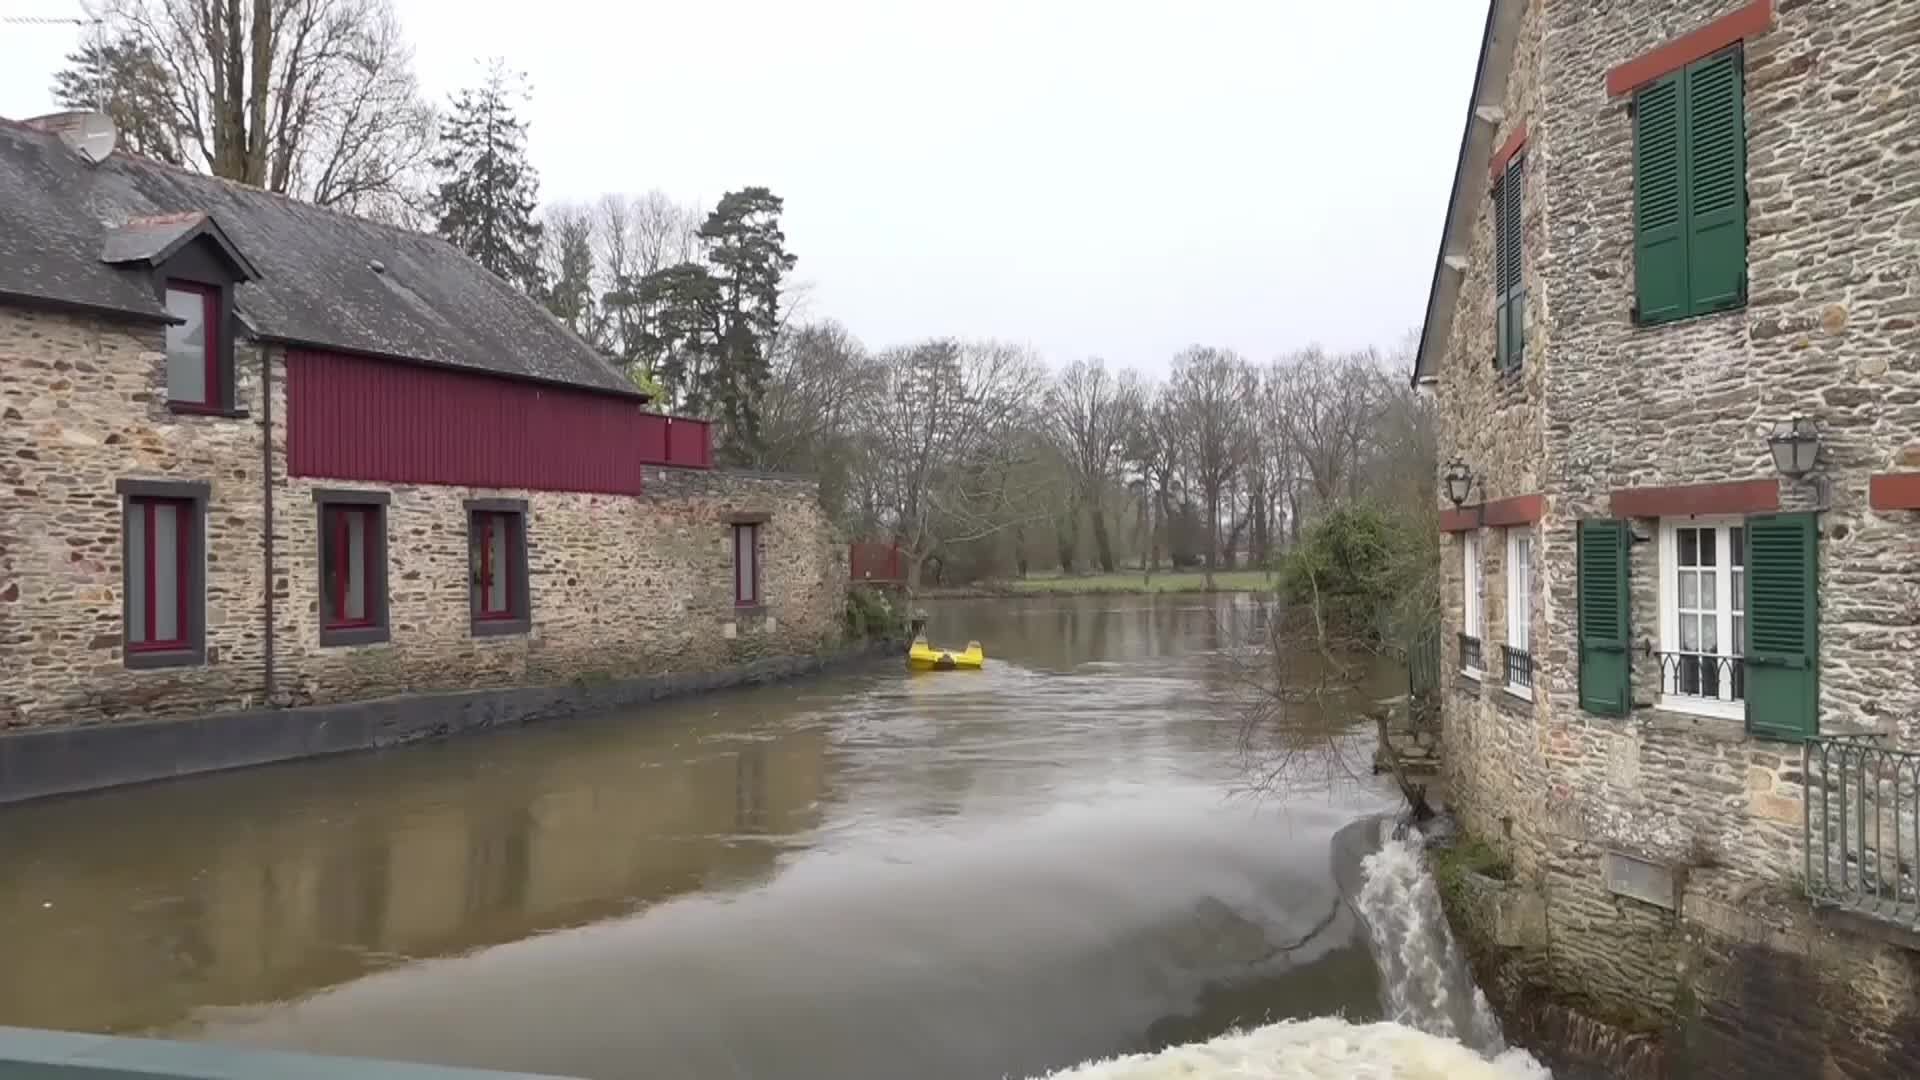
{"points": [[124, 78], [747, 252], [488, 192]]}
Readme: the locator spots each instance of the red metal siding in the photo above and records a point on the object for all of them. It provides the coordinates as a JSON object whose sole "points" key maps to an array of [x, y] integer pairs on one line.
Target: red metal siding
{"points": [[676, 440], [360, 419], [877, 562]]}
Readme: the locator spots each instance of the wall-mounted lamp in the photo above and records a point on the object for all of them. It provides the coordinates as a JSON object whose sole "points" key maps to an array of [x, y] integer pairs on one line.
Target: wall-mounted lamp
{"points": [[1458, 480], [1795, 445]]}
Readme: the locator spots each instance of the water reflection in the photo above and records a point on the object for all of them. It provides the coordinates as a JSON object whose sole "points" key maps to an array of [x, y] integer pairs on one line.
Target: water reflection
{"points": [[959, 874]]}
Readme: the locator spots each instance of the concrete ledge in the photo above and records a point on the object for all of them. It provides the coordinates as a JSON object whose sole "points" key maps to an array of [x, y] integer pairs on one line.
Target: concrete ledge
{"points": [[60, 761], [26, 1052]]}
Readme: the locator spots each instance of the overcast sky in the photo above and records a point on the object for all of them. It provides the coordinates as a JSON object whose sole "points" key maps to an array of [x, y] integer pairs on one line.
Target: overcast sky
{"points": [[1091, 177]]}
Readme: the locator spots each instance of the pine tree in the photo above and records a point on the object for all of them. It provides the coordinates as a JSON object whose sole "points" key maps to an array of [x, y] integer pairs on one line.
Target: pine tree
{"points": [[486, 199], [747, 250], [124, 79]]}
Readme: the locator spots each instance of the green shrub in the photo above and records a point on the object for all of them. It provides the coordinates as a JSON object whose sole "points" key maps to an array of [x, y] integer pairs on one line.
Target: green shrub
{"points": [[1361, 566], [872, 615]]}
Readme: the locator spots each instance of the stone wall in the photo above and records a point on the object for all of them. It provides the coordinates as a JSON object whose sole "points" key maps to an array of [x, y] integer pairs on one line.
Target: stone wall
{"points": [[82, 406], [1494, 421], [1831, 331], [620, 587]]}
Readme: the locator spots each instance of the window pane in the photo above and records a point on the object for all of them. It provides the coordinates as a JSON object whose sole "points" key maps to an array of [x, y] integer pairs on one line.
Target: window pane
{"points": [[136, 572], [1739, 642], [187, 347], [1690, 633], [476, 556], [497, 589], [744, 544], [1739, 585], [1689, 588], [1689, 547], [329, 565], [1739, 545], [166, 572], [1708, 547], [357, 565], [1709, 599], [1710, 636]]}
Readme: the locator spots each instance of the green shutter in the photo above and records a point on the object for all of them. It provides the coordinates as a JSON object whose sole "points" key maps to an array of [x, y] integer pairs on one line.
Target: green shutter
{"points": [[1659, 204], [1716, 175], [1603, 617], [1498, 213], [1782, 646], [1516, 326]]}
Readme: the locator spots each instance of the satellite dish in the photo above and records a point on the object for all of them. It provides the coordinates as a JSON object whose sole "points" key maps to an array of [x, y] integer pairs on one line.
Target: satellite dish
{"points": [[94, 136], [90, 134]]}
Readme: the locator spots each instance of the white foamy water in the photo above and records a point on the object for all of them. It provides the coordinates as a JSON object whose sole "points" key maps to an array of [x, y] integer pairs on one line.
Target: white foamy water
{"points": [[1439, 1025], [1427, 984], [1325, 1049]]}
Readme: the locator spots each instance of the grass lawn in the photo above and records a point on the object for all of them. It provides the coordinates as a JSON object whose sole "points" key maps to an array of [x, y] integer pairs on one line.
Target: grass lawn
{"points": [[1130, 582]]}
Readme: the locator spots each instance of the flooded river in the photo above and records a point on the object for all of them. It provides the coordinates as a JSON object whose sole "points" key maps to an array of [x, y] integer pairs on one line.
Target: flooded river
{"points": [[871, 874]]}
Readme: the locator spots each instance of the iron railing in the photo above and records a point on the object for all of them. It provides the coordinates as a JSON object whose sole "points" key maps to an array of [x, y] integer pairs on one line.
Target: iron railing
{"points": [[1700, 675], [1518, 664], [1470, 658], [1862, 826]]}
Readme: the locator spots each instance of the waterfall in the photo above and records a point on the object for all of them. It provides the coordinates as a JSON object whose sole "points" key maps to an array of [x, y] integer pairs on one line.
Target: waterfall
{"points": [[1438, 1022], [1424, 976]]}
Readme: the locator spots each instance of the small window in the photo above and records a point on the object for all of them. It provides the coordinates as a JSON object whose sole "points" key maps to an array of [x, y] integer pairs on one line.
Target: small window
{"points": [[1703, 565], [498, 565], [353, 579], [746, 565], [1472, 626], [164, 606], [194, 346], [1519, 654]]}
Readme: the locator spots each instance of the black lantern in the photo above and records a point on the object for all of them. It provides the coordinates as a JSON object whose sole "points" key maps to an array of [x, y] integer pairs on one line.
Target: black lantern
{"points": [[1796, 447], [1459, 481]]}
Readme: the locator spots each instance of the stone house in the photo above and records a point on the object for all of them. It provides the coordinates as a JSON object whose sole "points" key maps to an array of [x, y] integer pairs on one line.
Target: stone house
{"points": [[259, 458], [1674, 342]]}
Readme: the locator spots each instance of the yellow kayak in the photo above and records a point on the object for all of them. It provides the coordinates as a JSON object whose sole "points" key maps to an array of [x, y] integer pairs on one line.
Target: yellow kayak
{"points": [[924, 657]]}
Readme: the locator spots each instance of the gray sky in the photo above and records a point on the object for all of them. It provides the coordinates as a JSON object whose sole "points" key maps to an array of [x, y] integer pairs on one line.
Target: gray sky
{"points": [[1091, 177]]}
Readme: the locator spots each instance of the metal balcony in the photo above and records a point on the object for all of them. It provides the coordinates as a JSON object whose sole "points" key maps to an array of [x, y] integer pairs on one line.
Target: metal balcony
{"points": [[1862, 812]]}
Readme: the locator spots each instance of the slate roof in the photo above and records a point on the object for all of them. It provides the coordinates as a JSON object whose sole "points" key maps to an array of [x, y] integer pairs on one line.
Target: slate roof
{"points": [[62, 218], [1464, 205]]}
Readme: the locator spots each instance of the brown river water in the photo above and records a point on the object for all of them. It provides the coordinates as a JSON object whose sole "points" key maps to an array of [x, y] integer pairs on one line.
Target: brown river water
{"points": [[868, 874]]}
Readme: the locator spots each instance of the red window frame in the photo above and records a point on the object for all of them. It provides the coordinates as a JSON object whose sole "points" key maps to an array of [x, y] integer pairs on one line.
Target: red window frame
{"points": [[184, 523], [338, 518], [484, 522], [749, 532], [214, 399]]}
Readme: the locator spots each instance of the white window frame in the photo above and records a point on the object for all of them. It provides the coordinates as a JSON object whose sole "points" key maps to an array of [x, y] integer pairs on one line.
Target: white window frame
{"points": [[1519, 600], [1473, 609], [1726, 643]]}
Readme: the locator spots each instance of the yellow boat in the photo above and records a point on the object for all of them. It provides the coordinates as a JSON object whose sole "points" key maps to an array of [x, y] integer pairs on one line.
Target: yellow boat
{"points": [[924, 657]]}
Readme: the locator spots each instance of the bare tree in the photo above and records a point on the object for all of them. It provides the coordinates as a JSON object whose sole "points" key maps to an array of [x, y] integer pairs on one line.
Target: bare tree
{"points": [[311, 98], [1329, 403], [943, 436], [1088, 414], [1208, 393], [634, 236]]}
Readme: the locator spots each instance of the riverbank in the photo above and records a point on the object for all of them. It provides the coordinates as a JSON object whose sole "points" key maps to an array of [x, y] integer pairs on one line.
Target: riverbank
{"points": [[1115, 584], [36, 764]]}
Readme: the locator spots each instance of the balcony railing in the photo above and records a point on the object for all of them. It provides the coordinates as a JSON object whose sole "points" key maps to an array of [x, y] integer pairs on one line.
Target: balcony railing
{"points": [[1470, 658], [1862, 827], [1518, 664], [1703, 676]]}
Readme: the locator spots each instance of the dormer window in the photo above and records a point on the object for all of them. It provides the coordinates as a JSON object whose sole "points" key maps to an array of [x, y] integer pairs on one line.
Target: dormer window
{"points": [[194, 379]]}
